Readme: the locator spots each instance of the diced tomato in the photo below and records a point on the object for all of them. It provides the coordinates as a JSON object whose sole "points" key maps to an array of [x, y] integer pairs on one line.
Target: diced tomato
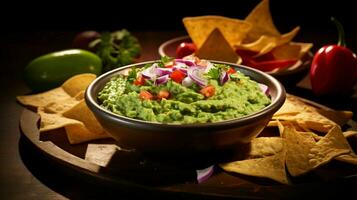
{"points": [[231, 70], [145, 95], [163, 94], [208, 91], [177, 76], [185, 49], [139, 81]]}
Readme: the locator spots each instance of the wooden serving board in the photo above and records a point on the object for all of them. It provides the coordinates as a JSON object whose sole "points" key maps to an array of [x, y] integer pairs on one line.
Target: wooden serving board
{"points": [[103, 161]]}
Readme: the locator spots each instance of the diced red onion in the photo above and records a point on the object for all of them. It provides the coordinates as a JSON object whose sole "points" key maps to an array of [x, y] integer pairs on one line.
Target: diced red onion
{"points": [[204, 174], [187, 82], [161, 80], [196, 74], [224, 77], [163, 71], [181, 67], [183, 70], [186, 62], [209, 66], [264, 88], [150, 73]]}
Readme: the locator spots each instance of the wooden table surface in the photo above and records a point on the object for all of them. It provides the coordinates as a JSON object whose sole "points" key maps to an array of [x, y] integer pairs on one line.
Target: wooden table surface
{"points": [[25, 174]]}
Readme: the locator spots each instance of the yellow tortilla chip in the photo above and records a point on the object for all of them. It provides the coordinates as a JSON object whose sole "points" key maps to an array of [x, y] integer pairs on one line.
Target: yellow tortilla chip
{"points": [[287, 52], [82, 113], [272, 167], [306, 116], [54, 121], [42, 99], [348, 134], [69, 88], [265, 146], [216, 47], [265, 43], [348, 158], [305, 47], [78, 83], [199, 28], [305, 154], [340, 117], [262, 22], [78, 133], [89, 131], [63, 105]]}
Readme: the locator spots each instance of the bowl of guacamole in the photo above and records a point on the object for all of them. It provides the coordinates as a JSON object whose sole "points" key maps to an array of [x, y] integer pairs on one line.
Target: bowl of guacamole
{"points": [[184, 106]]}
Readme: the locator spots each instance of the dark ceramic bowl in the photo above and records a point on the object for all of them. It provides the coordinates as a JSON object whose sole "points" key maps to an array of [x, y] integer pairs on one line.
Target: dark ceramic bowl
{"points": [[192, 139]]}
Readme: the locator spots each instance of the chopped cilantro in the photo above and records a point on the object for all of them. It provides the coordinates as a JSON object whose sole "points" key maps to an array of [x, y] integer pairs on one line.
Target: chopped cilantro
{"points": [[132, 75], [117, 49], [214, 73], [166, 59]]}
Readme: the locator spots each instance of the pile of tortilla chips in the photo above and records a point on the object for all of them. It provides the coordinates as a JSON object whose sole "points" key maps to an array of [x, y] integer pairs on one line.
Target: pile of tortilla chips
{"points": [[64, 107], [218, 38], [308, 138]]}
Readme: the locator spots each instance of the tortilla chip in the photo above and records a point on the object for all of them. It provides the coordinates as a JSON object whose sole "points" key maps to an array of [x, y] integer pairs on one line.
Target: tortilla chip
{"points": [[262, 22], [69, 89], [63, 105], [305, 154], [286, 52], [272, 167], [78, 83], [78, 133], [54, 121], [199, 28], [90, 130], [348, 134], [340, 117], [82, 113], [306, 116], [265, 146], [348, 158], [305, 47], [216, 47], [265, 43], [42, 99]]}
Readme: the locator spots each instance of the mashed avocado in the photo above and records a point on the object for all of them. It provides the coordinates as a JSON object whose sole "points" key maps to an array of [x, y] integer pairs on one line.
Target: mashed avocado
{"points": [[180, 101]]}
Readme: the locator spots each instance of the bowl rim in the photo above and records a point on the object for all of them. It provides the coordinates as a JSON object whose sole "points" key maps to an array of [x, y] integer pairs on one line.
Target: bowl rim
{"points": [[247, 119]]}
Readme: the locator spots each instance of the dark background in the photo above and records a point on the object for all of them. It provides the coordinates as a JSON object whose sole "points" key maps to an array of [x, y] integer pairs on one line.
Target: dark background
{"points": [[166, 15], [22, 20]]}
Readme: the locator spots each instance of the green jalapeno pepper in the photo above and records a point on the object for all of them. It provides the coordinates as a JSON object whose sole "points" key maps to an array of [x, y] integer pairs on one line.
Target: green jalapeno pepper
{"points": [[51, 70]]}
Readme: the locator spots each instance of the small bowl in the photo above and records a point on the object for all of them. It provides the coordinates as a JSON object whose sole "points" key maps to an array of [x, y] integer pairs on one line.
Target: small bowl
{"points": [[289, 77], [186, 139]]}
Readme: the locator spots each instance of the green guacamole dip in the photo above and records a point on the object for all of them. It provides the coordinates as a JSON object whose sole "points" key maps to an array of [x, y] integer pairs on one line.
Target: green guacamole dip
{"points": [[141, 98]]}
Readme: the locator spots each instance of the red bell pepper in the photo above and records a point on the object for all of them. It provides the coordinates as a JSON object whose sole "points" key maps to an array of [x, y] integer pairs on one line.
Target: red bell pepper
{"points": [[266, 62], [334, 67]]}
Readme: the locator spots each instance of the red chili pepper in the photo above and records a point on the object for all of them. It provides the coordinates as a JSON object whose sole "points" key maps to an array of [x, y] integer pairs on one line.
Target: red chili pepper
{"points": [[334, 67], [266, 62]]}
